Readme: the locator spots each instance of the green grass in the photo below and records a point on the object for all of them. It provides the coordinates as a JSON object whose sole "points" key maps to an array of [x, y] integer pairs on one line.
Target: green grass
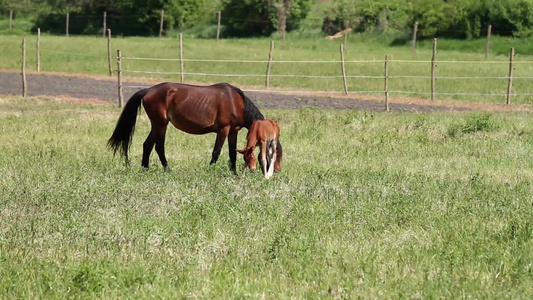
{"points": [[368, 205], [89, 55]]}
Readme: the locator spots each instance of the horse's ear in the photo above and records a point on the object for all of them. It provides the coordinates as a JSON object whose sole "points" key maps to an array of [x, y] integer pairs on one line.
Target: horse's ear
{"points": [[241, 151]]}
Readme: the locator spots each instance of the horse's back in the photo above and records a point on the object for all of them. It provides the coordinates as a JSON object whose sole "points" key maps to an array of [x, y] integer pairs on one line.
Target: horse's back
{"points": [[196, 109]]}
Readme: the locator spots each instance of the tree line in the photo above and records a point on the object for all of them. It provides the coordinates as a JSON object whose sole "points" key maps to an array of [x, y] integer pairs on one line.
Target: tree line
{"points": [[142, 17], [462, 19]]}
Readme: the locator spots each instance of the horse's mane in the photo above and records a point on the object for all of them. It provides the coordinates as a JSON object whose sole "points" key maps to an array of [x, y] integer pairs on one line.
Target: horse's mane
{"points": [[251, 112]]}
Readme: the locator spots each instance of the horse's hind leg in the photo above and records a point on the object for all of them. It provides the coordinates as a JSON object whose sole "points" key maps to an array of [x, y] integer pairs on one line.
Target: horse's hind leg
{"points": [[221, 136], [160, 145], [147, 149], [232, 146]]}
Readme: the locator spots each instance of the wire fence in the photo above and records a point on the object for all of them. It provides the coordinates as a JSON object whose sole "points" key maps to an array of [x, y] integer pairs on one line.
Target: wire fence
{"points": [[456, 79], [497, 92]]}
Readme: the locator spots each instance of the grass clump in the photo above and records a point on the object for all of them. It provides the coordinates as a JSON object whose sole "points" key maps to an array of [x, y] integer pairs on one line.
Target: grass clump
{"points": [[475, 123]]}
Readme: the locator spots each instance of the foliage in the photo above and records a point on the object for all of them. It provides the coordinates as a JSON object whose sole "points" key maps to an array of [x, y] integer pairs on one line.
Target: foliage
{"points": [[436, 18], [259, 17], [142, 17], [132, 17]]}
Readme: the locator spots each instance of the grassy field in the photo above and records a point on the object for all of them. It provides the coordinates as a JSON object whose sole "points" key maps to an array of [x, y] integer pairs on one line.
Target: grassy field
{"points": [[368, 205], [410, 72]]}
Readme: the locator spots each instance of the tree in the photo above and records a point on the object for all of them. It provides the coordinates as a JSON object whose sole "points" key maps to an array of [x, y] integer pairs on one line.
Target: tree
{"points": [[262, 18], [444, 18]]}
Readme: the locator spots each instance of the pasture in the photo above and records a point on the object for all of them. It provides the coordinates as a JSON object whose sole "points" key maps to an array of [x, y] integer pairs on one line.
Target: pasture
{"points": [[462, 74], [368, 205]]}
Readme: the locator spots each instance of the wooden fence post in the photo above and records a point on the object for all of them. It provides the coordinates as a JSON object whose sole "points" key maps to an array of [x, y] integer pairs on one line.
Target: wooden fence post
{"points": [[24, 86], [387, 83], [119, 73], [487, 47], [109, 52], [415, 29], [105, 24], [66, 27], [269, 64], [161, 23], [510, 83], [38, 46], [218, 25], [181, 58], [433, 58], [10, 19], [344, 70]]}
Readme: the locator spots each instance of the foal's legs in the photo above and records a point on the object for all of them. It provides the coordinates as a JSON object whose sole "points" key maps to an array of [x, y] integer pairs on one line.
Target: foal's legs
{"points": [[273, 160], [263, 155], [221, 136]]}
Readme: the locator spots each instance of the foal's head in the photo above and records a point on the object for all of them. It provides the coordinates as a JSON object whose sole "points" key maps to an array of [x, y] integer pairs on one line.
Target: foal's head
{"points": [[249, 159]]}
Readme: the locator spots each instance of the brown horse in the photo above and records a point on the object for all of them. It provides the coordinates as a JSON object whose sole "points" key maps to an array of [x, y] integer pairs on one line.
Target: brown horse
{"points": [[220, 108], [265, 134]]}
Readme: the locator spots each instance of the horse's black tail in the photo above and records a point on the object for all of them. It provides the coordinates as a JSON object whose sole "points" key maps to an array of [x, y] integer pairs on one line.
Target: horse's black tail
{"points": [[123, 134]]}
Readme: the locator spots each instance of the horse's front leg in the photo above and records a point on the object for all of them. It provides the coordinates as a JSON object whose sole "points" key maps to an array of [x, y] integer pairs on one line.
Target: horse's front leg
{"points": [[232, 146], [221, 136]]}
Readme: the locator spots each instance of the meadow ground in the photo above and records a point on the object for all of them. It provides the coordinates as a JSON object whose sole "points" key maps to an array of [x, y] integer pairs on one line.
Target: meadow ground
{"points": [[369, 204]]}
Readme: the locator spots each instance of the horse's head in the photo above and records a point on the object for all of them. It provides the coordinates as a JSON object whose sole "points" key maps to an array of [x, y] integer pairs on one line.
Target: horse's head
{"points": [[249, 159]]}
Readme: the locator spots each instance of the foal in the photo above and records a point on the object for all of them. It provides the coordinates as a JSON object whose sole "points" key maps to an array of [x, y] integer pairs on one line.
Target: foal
{"points": [[265, 134]]}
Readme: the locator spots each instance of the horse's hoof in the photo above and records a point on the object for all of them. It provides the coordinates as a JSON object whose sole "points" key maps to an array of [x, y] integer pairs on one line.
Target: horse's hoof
{"points": [[167, 170]]}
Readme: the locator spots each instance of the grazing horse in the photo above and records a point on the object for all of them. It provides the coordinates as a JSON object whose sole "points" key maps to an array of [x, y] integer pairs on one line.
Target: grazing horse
{"points": [[265, 134], [220, 108]]}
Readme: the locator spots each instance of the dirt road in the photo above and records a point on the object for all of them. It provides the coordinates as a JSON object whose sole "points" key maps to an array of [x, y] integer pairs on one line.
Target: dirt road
{"points": [[86, 87]]}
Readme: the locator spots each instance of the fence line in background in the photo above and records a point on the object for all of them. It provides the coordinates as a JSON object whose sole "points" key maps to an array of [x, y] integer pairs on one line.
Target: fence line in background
{"points": [[105, 25], [386, 76], [218, 24], [182, 69], [325, 61], [161, 23], [343, 67], [269, 64], [434, 54], [67, 24], [386, 82], [324, 76], [510, 83], [433, 74], [487, 46], [109, 60], [119, 74], [24, 86], [38, 49]]}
